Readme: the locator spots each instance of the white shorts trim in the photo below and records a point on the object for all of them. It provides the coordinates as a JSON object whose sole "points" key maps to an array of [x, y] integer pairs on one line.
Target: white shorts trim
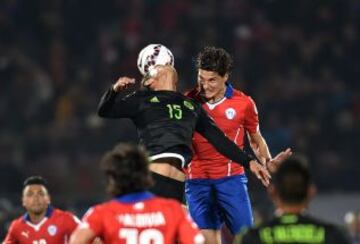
{"points": [[168, 155]]}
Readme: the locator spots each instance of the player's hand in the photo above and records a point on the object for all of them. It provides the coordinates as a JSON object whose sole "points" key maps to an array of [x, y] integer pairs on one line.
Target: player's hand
{"points": [[274, 163], [260, 172], [122, 83]]}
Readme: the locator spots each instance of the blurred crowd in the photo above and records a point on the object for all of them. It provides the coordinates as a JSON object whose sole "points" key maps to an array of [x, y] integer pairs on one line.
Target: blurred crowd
{"points": [[299, 60]]}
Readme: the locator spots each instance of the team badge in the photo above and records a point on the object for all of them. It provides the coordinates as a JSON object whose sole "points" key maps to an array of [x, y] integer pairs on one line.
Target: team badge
{"points": [[230, 113], [52, 229], [188, 105]]}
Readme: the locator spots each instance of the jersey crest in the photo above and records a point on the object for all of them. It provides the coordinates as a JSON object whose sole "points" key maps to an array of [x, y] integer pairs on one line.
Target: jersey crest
{"points": [[230, 113], [52, 229], [189, 105]]}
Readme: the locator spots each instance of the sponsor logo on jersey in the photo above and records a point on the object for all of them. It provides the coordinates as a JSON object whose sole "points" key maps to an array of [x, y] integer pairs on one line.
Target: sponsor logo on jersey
{"points": [[52, 229], [230, 113], [189, 105], [154, 100], [25, 233]]}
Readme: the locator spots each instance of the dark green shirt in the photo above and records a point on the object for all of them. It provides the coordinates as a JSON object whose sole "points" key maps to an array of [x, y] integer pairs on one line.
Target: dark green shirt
{"points": [[291, 228]]}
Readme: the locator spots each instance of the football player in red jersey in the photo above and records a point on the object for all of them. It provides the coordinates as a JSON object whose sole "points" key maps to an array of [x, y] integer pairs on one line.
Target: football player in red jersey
{"points": [[134, 215], [216, 189], [42, 223]]}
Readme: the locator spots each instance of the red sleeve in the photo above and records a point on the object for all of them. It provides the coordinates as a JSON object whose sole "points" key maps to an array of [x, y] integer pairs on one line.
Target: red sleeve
{"points": [[188, 231], [251, 117], [73, 222], [10, 237], [92, 219]]}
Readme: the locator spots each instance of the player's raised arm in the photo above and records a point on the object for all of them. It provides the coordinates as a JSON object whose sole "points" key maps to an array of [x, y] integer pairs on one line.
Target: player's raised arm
{"points": [[207, 128], [118, 101]]}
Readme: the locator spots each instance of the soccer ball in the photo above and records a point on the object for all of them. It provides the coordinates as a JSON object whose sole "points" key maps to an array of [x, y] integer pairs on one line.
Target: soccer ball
{"points": [[154, 54]]}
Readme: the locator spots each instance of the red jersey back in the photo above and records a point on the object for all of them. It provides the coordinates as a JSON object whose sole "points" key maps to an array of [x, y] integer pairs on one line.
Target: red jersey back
{"points": [[141, 218], [56, 227], [234, 114]]}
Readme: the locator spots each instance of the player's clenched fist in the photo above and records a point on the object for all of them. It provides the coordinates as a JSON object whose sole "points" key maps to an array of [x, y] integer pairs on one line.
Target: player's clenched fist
{"points": [[123, 83], [261, 172]]}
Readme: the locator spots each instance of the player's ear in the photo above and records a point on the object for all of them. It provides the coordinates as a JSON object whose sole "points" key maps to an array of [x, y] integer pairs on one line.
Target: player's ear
{"points": [[226, 76]]}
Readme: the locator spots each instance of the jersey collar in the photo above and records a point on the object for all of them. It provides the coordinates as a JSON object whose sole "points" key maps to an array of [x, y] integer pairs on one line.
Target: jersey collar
{"points": [[48, 213], [229, 90], [135, 197]]}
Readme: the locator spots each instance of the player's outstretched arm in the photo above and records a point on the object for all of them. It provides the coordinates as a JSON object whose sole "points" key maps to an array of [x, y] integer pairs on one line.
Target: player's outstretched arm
{"points": [[117, 101], [274, 163]]}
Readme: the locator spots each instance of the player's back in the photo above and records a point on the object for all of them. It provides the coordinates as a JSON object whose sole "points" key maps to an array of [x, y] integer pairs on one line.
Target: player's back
{"points": [[291, 228], [149, 219]]}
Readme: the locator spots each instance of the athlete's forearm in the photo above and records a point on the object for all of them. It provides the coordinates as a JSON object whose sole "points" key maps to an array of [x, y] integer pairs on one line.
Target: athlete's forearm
{"points": [[114, 104], [260, 147], [106, 104]]}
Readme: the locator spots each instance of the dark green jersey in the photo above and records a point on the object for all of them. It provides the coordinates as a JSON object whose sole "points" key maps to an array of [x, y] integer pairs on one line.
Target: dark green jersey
{"points": [[291, 228], [166, 121]]}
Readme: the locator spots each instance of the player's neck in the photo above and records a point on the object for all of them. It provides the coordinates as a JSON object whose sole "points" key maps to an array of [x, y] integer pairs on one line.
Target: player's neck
{"points": [[290, 209], [36, 218], [166, 87]]}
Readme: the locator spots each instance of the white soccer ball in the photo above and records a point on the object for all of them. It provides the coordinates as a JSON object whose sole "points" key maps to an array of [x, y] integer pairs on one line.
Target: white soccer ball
{"points": [[152, 55]]}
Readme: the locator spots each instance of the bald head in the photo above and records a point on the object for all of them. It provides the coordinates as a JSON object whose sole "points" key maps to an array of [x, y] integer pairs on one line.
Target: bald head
{"points": [[162, 77]]}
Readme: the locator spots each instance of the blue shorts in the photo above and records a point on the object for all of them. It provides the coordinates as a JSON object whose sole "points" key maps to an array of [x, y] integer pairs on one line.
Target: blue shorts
{"points": [[213, 202]]}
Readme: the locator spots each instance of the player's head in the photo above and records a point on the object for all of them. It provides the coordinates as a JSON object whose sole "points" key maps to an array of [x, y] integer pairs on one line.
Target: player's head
{"points": [[214, 66], [161, 77], [126, 168], [292, 184], [35, 196]]}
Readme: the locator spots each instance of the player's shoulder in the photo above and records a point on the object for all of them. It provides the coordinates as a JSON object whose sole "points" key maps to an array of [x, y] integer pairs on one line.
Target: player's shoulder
{"points": [[193, 93], [64, 214], [17, 222], [237, 94]]}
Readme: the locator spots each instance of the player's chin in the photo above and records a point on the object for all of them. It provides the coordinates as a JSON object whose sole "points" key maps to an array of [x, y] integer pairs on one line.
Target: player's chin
{"points": [[206, 95]]}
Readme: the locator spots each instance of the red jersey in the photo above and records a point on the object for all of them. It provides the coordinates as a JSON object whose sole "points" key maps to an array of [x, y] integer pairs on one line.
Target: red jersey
{"points": [[141, 218], [235, 114], [55, 227]]}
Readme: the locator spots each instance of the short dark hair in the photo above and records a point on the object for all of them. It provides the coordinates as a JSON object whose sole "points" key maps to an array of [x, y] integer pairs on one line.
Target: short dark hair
{"points": [[35, 180], [292, 180], [215, 59], [126, 168]]}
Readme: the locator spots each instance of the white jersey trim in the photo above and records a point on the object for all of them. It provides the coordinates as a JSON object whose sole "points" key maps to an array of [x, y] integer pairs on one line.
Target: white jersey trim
{"points": [[37, 226], [211, 106], [169, 155]]}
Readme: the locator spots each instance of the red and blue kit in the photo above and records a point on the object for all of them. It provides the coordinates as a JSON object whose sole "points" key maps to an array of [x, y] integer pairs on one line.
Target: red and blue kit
{"points": [[234, 114], [216, 187], [55, 227]]}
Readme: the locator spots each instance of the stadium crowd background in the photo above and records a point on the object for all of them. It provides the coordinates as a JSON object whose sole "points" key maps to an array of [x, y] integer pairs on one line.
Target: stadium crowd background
{"points": [[299, 60]]}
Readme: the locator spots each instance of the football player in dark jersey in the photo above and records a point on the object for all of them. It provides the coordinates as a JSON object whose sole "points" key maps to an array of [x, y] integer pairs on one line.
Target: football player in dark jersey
{"points": [[166, 120], [291, 190]]}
